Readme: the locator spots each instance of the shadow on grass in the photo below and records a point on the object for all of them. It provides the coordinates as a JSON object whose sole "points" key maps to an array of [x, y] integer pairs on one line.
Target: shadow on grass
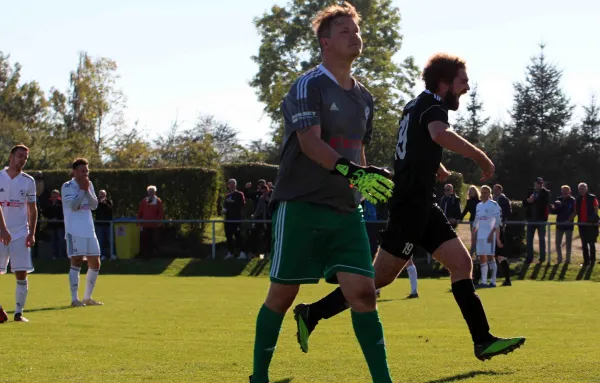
{"points": [[553, 272], [44, 309], [523, 271], [154, 266], [588, 272], [563, 272], [286, 380], [581, 272], [467, 375]]}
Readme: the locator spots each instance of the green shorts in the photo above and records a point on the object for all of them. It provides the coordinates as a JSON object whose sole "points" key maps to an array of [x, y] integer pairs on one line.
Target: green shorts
{"points": [[314, 241]]}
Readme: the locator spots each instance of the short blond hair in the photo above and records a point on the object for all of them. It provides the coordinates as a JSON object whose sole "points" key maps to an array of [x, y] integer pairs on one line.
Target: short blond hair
{"points": [[151, 187], [321, 23], [485, 187], [565, 187]]}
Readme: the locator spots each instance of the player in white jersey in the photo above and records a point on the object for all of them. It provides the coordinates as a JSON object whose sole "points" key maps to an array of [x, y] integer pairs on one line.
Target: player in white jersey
{"points": [[17, 196], [486, 228], [79, 199]]}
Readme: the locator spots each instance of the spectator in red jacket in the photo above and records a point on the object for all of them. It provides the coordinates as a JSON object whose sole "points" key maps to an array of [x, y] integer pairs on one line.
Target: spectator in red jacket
{"points": [[151, 209]]}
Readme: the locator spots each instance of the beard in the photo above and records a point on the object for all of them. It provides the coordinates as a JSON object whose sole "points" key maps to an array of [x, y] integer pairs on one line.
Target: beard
{"points": [[451, 99]]}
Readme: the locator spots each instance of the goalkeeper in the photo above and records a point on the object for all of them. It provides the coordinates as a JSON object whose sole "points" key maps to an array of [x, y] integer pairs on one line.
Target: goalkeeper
{"points": [[318, 226]]}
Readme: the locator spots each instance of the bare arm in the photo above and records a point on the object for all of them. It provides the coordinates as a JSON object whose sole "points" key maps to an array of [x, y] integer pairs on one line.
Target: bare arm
{"points": [[2, 221], [315, 148], [363, 156], [33, 216], [447, 138]]}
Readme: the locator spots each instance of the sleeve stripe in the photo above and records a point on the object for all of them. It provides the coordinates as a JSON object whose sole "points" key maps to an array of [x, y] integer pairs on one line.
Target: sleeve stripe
{"points": [[302, 93]]}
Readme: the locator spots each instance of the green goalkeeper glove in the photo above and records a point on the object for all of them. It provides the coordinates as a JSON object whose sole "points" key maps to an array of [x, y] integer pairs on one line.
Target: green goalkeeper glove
{"points": [[372, 182]]}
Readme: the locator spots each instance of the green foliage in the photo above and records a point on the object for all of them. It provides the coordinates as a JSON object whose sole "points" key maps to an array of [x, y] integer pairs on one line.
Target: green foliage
{"points": [[533, 141], [249, 172], [289, 48], [187, 193], [515, 245], [456, 179], [471, 127]]}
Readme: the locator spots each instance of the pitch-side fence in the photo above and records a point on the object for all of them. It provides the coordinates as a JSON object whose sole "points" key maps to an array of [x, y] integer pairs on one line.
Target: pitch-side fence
{"points": [[214, 222]]}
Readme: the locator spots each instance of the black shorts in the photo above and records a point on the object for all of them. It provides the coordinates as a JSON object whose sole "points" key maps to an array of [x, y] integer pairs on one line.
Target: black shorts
{"points": [[415, 223]]}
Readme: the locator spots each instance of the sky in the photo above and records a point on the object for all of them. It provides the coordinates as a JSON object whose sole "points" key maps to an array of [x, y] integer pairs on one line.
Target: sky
{"points": [[181, 58]]}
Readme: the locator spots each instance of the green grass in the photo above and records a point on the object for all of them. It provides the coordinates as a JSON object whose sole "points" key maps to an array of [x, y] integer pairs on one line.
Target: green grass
{"points": [[201, 329]]}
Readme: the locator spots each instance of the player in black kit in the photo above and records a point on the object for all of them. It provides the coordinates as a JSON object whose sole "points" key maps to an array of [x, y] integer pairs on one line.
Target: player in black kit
{"points": [[415, 220]]}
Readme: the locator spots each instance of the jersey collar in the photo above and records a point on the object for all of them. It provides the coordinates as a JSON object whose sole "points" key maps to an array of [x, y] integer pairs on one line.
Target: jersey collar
{"points": [[332, 77], [437, 97]]}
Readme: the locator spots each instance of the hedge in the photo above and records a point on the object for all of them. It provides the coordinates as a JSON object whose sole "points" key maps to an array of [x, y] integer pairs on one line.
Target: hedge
{"points": [[515, 245], [455, 179], [187, 193], [249, 172]]}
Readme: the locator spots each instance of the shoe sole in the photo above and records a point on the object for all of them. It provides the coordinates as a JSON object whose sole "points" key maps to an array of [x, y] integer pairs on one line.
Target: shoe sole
{"points": [[301, 329], [506, 351]]}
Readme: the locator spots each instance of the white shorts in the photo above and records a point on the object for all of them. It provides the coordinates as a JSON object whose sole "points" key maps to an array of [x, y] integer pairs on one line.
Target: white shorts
{"points": [[82, 246], [486, 248], [17, 254]]}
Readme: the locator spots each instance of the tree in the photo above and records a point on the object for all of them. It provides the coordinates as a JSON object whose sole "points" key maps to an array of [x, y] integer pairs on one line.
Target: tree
{"points": [[289, 48], [92, 111], [131, 151], [222, 136], [471, 127], [590, 125], [540, 115]]}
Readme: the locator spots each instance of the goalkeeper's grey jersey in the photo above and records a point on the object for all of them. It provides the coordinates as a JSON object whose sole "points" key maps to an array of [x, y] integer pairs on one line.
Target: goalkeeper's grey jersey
{"points": [[346, 120]]}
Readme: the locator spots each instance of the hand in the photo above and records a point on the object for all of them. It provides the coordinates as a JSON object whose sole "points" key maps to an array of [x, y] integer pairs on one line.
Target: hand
{"points": [[443, 174], [487, 167], [530, 199], [84, 183], [452, 221], [373, 183], [499, 243], [30, 241], [490, 237], [5, 237]]}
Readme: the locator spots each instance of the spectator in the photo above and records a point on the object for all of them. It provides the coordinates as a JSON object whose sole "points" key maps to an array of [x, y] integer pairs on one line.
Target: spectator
{"points": [[233, 210], [450, 204], [471, 208], [42, 200], [151, 209], [586, 208], [506, 209], [537, 210], [564, 208], [261, 232], [104, 212], [54, 212]]}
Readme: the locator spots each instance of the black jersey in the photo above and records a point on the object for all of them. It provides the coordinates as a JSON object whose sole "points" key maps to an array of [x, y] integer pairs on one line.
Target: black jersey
{"points": [[417, 158]]}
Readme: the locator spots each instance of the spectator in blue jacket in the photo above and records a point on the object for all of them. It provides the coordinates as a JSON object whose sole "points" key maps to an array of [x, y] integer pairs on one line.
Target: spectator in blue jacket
{"points": [[564, 208]]}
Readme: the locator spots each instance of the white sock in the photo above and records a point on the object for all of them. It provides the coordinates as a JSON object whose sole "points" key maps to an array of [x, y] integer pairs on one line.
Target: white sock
{"points": [[90, 283], [21, 295], [484, 271], [74, 282], [492, 265], [412, 275]]}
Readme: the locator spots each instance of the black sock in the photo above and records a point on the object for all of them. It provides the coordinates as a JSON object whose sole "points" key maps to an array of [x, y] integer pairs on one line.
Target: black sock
{"points": [[328, 307], [505, 270], [472, 310]]}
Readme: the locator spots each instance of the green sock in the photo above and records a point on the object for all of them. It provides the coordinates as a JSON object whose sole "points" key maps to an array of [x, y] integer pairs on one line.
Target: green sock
{"points": [[268, 325], [369, 332]]}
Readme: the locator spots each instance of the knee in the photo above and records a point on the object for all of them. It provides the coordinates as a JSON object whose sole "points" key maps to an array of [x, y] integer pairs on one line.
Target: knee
{"points": [[94, 263], [76, 261], [462, 266], [281, 297], [362, 300], [383, 279]]}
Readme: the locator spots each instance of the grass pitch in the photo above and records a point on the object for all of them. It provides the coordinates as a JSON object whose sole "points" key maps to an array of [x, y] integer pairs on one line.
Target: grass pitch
{"points": [[201, 329]]}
